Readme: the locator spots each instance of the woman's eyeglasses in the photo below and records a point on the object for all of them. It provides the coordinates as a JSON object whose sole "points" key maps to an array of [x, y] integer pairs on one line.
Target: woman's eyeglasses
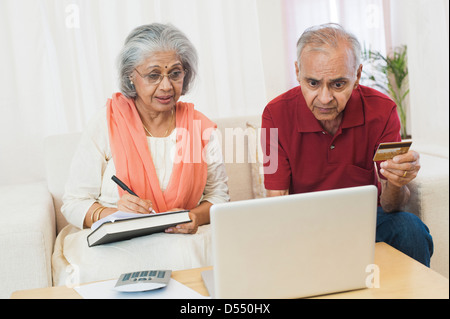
{"points": [[156, 78]]}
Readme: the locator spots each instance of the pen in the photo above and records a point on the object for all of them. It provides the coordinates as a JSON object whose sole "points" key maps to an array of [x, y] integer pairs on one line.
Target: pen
{"points": [[122, 185], [126, 188]]}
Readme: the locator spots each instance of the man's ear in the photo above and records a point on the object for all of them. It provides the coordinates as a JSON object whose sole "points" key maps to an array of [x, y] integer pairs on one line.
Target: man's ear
{"points": [[358, 76], [297, 71]]}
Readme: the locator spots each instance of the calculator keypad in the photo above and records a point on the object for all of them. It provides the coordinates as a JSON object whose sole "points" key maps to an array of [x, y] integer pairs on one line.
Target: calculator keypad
{"points": [[144, 275], [158, 277]]}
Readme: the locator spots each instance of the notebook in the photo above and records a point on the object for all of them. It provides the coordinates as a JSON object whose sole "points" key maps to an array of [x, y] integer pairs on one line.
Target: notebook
{"points": [[293, 246]]}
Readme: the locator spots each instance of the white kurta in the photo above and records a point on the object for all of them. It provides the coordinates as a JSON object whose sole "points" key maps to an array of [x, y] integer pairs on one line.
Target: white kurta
{"points": [[92, 167]]}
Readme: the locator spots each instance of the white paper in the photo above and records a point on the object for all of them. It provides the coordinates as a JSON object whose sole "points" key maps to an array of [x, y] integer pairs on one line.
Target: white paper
{"points": [[104, 290], [119, 215]]}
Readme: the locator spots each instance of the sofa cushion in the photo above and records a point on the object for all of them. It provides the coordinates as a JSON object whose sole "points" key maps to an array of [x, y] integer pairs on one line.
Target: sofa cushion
{"points": [[74, 262], [236, 138], [59, 150], [256, 157], [429, 200], [27, 234]]}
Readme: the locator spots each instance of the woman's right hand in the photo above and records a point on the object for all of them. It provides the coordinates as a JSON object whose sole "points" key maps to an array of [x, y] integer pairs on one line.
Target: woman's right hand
{"points": [[133, 204]]}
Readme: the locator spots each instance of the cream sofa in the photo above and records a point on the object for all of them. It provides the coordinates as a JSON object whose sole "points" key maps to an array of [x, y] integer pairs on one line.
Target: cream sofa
{"points": [[33, 256]]}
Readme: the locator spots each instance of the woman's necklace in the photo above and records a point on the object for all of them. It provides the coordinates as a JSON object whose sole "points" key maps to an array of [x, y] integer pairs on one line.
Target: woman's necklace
{"points": [[165, 133]]}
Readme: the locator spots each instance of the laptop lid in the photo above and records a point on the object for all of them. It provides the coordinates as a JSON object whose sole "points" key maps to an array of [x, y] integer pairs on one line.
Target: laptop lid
{"points": [[294, 246]]}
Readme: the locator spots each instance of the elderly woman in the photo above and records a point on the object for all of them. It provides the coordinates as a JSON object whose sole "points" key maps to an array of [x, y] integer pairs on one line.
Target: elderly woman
{"points": [[163, 149]]}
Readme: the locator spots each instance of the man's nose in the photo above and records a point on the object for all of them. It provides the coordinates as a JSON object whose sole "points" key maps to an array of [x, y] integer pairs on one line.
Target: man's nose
{"points": [[325, 95]]}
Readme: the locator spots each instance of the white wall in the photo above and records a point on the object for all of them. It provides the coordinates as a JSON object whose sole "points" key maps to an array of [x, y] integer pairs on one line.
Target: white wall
{"points": [[423, 25], [276, 68]]}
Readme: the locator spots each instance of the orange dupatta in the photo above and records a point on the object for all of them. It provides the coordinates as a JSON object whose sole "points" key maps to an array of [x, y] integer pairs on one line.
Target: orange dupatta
{"points": [[134, 163]]}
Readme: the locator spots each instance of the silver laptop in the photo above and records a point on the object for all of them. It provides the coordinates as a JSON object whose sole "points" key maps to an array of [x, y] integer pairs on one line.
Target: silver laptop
{"points": [[293, 246]]}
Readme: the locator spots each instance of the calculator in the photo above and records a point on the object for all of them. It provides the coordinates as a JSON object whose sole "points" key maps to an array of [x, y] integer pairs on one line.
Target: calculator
{"points": [[143, 280]]}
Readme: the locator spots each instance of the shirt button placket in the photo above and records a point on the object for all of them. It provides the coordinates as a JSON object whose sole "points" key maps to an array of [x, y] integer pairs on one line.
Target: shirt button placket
{"points": [[331, 154]]}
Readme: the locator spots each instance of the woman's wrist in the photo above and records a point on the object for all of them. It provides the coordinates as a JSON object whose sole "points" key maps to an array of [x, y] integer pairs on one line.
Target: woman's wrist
{"points": [[95, 215], [97, 212]]}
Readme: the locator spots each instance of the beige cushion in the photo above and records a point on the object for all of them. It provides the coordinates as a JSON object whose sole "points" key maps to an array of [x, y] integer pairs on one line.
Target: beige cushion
{"points": [[255, 155], [27, 234], [235, 136], [59, 150], [429, 200]]}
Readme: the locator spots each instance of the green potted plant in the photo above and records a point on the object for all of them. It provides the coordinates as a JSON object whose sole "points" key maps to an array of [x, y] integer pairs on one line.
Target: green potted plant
{"points": [[389, 74]]}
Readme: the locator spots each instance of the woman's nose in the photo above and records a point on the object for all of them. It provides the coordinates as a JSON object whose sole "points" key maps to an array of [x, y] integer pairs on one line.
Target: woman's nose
{"points": [[165, 83]]}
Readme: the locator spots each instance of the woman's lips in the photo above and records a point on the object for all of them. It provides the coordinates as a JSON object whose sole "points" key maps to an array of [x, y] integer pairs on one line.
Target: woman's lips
{"points": [[164, 99]]}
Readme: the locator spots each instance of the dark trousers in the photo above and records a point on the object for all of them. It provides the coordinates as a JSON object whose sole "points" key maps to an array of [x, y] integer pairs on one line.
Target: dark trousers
{"points": [[405, 232]]}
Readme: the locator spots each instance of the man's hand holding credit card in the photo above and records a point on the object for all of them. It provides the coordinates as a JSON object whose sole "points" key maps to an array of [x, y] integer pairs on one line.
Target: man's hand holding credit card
{"points": [[398, 164]]}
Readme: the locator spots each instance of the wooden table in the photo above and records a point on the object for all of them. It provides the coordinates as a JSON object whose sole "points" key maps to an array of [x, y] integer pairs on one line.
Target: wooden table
{"points": [[400, 277]]}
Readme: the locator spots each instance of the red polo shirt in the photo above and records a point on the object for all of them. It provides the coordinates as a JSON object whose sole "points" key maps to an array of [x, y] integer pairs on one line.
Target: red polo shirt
{"points": [[305, 158]]}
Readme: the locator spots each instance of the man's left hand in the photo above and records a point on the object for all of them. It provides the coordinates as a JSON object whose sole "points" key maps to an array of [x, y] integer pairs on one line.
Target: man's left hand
{"points": [[402, 169]]}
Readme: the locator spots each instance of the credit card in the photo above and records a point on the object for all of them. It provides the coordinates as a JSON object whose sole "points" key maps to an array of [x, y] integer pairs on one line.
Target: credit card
{"points": [[387, 151]]}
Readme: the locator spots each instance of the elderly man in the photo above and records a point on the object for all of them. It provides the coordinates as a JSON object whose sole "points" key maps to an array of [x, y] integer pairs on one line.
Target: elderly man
{"points": [[328, 130]]}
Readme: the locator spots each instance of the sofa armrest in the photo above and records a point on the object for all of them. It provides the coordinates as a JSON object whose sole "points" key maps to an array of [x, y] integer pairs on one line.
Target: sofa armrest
{"points": [[430, 202], [27, 236]]}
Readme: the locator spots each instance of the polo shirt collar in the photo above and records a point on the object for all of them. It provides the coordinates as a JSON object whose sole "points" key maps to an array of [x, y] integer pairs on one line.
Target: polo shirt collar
{"points": [[353, 114]]}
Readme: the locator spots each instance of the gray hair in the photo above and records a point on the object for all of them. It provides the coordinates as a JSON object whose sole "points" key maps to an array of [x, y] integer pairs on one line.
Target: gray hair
{"points": [[145, 40], [331, 34]]}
